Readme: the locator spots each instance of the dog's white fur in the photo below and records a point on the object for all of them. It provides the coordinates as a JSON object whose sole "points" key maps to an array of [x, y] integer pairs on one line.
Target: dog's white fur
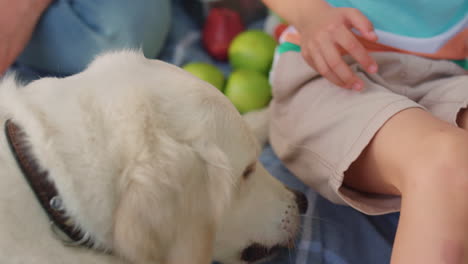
{"points": [[148, 159]]}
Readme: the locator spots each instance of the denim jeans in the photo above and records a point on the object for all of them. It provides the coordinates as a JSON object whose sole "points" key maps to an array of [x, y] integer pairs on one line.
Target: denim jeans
{"points": [[72, 32]]}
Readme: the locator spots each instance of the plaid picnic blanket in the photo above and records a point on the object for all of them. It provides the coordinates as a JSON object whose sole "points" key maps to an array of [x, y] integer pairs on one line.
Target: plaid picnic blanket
{"points": [[333, 234]]}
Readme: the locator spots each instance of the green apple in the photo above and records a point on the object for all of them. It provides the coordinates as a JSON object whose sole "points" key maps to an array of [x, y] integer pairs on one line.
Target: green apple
{"points": [[206, 72], [253, 50], [248, 90]]}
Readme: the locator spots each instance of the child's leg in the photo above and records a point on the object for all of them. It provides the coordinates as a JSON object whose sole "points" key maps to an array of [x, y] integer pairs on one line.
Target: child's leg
{"points": [[349, 145], [426, 161]]}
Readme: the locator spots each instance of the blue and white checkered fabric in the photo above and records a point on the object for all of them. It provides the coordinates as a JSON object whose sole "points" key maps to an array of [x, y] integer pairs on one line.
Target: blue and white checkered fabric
{"points": [[334, 234]]}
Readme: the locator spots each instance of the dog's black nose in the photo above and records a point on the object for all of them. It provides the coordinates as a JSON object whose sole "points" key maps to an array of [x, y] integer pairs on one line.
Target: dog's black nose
{"points": [[301, 201]]}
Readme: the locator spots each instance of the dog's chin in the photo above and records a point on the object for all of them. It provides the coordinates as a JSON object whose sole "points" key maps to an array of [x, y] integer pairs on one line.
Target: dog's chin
{"points": [[256, 253]]}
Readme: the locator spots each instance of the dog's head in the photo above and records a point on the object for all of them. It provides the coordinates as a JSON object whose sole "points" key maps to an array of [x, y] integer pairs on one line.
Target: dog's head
{"points": [[157, 165]]}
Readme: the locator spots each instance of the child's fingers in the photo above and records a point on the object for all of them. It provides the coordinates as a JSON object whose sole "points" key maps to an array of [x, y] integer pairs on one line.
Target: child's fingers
{"points": [[348, 41], [359, 21], [338, 66], [321, 66]]}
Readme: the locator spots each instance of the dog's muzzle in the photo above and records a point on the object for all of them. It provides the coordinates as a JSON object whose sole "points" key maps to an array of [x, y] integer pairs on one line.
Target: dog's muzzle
{"points": [[256, 252]]}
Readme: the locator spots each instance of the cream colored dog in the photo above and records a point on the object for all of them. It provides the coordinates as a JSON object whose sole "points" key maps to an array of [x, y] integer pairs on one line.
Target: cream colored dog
{"points": [[152, 164]]}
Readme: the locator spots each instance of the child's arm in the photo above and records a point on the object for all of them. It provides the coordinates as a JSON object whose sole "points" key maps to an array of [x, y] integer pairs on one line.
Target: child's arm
{"points": [[323, 29], [17, 22]]}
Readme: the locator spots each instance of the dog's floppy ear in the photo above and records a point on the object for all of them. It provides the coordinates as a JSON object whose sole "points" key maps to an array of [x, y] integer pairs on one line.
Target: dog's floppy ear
{"points": [[164, 215], [220, 175]]}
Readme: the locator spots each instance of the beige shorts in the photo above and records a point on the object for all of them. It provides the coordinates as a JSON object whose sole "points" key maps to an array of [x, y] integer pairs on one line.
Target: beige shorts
{"points": [[319, 129]]}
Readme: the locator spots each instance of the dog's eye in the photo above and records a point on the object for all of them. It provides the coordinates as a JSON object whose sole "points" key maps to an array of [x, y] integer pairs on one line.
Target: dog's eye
{"points": [[248, 171]]}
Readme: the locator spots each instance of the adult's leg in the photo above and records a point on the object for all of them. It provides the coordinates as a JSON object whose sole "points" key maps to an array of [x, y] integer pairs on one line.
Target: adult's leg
{"points": [[425, 160], [71, 33]]}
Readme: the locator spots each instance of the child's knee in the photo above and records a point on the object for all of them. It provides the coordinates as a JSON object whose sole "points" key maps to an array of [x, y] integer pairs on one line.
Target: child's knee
{"points": [[442, 159]]}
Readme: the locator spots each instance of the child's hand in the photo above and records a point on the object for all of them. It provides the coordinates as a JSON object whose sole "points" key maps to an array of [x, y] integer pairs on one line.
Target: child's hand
{"points": [[322, 36]]}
